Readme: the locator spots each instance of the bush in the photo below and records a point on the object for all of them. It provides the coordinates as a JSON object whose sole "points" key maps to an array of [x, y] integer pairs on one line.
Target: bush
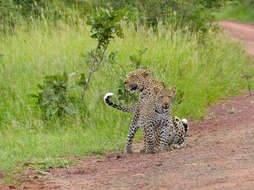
{"points": [[196, 15], [237, 10], [53, 98], [13, 12], [105, 26]]}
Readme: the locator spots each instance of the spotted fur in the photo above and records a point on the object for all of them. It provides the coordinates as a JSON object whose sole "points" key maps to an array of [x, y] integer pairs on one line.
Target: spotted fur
{"points": [[172, 131], [159, 129], [142, 81]]}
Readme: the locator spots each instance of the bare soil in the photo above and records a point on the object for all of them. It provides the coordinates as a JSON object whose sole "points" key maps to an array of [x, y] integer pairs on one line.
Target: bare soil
{"points": [[242, 31], [219, 154]]}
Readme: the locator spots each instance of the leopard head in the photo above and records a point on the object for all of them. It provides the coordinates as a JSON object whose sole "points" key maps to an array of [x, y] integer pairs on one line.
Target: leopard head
{"points": [[164, 97], [136, 80]]}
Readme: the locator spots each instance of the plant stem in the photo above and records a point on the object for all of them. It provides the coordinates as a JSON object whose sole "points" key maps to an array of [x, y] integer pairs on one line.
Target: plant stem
{"points": [[247, 77], [91, 71], [93, 68], [248, 83], [102, 56]]}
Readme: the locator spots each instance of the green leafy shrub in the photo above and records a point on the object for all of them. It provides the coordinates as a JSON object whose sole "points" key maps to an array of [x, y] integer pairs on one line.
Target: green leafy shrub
{"points": [[194, 14], [105, 25], [53, 98], [31, 7], [237, 10], [13, 12]]}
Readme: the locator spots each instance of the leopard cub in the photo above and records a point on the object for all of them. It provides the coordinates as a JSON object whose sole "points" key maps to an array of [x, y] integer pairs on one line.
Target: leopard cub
{"points": [[171, 131]]}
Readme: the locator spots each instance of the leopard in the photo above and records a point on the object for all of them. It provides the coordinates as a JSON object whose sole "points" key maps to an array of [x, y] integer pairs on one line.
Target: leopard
{"points": [[181, 128], [143, 110], [142, 81], [171, 131]]}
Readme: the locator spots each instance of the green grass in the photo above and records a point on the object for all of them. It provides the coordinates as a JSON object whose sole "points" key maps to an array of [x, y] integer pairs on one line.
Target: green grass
{"points": [[205, 71], [38, 165], [243, 11]]}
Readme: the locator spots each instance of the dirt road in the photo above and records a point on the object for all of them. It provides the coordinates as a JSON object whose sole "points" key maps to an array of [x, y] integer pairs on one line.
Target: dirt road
{"points": [[219, 155], [243, 32]]}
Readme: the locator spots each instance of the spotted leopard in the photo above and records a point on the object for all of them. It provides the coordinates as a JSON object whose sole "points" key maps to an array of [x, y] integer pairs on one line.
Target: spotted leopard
{"points": [[143, 112], [172, 131], [143, 81]]}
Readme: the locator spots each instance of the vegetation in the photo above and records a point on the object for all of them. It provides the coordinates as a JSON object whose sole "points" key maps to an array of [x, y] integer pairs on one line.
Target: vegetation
{"points": [[106, 24], [237, 10], [196, 15], [53, 99], [55, 52]]}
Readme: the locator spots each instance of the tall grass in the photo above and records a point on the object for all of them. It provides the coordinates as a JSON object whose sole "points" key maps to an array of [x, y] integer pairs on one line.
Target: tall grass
{"points": [[238, 11], [205, 71]]}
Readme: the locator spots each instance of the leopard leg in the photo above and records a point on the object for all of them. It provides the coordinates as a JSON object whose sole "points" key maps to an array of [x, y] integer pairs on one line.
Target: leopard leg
{"points": [[157, 135], [150, 142], [144, 137], [163, 134], [157, 131], [167, 134], [132, 131]]}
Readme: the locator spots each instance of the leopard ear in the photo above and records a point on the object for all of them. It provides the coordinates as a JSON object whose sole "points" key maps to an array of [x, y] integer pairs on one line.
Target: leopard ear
{"points": [[156, 90], [146, 73], [173, 91], [163, 84]]}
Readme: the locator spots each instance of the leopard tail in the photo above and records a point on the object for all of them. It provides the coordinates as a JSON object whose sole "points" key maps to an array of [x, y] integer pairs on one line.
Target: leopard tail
{"points": [[116, 106]]}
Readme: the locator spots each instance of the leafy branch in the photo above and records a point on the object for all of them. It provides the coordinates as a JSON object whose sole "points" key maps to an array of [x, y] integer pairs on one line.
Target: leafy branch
{"points": [[105, 25]]}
